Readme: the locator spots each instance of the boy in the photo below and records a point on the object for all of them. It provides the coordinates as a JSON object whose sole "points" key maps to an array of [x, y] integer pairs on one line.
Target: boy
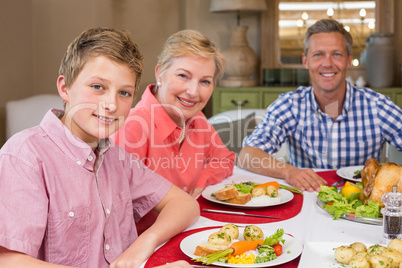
{"points": [[67, 195]]}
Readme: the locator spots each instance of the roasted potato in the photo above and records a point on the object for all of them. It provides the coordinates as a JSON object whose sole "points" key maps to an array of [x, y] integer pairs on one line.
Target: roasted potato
{"points": [[359, 262], [395, 244], [359, 247], [258, 191], [394, 256], [376, 249], [231, 229], [219, 238], [272, 191], [344, 254], [252, 233], [379, 261]]}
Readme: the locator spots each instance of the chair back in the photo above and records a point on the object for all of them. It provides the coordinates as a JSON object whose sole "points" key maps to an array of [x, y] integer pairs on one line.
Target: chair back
{"points": [[28, 112], [393, 155], [234, 125]]}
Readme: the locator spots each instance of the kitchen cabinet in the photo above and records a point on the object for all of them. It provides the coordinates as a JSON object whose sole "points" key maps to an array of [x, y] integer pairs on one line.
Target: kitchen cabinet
{"points": [[232, 98]]}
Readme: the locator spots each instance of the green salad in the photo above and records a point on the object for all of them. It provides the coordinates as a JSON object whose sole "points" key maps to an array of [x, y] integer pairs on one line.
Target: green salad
{"points": [[337, 204], [247, 187]]}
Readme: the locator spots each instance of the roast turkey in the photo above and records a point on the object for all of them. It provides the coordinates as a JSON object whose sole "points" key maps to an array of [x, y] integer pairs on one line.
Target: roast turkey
{"points": [[378, 179]]}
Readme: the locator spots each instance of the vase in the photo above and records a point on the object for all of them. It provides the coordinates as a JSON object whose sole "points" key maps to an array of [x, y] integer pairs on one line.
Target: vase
{"points": [[241, 61], [380, 60]]}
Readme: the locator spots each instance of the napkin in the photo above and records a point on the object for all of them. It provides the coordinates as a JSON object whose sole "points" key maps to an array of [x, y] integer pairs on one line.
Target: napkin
{"points": [[171, 252]]}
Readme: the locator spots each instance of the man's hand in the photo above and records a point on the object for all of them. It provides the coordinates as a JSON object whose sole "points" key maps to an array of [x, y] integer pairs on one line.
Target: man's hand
{"points": [[305, 179], [258, 161]]}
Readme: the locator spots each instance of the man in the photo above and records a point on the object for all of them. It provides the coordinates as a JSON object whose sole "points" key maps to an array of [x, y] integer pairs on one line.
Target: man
{"points": [[328, 125]]}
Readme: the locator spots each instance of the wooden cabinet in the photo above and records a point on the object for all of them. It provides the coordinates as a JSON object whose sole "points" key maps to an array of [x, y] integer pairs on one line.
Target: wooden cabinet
{"points": [[231, 98]]}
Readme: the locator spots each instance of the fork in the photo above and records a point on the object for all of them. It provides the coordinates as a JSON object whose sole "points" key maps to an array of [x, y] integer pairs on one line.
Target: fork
{"points": [[199, 266], [341, 181]]}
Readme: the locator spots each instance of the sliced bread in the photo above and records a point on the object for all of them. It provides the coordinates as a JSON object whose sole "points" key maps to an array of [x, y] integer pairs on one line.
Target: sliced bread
{"points": [[240, 199], [226, 193], [206, 249]]}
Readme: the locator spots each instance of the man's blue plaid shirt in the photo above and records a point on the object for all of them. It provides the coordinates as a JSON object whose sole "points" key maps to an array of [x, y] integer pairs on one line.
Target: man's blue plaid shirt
{"points": [[315, 140]]}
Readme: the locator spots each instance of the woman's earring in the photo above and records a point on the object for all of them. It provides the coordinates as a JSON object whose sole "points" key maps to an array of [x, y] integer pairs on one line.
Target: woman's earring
{"points": [[159, 84]]}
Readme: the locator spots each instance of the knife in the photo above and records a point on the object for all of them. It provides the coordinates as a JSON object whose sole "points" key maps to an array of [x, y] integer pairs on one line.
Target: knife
{"points": [[237, 213]]}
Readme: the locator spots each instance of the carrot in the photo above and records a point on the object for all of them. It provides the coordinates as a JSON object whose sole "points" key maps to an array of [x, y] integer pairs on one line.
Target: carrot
{"points": [[274, 183], [242, 246]]}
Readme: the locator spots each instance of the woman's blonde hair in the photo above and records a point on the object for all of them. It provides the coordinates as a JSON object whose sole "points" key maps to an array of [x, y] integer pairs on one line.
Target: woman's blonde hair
{"points": [[108, 42], [190, 42]]}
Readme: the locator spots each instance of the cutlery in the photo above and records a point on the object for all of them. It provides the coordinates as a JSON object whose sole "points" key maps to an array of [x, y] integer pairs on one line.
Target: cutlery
{"points": [[199, 266], [341, 181], [237, 213], [203, 266]]}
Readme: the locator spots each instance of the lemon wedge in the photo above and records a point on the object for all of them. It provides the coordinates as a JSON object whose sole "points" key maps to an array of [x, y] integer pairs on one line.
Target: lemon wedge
{"points": [[349, 189]]}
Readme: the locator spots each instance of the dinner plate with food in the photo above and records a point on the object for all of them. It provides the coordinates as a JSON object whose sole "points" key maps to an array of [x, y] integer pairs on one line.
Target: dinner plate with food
{"points": [[352, 173], [234, 246], [248, 194], [361, 201], [357, 254]]}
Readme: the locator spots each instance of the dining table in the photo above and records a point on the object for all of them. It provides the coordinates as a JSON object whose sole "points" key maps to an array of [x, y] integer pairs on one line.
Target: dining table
{"points": [[301, 218]]}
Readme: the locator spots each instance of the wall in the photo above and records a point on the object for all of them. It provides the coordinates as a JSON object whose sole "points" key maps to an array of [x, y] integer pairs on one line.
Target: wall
{"points": [[388, 20], [36, 33], [398, 40], [16, 46]]}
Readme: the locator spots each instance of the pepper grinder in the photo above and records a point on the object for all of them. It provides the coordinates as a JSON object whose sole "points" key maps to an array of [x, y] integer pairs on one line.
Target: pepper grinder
{"points": [[392, 214]]}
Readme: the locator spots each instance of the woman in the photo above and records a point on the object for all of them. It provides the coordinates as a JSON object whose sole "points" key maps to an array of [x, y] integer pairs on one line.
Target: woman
{"points": [[167, 130]]}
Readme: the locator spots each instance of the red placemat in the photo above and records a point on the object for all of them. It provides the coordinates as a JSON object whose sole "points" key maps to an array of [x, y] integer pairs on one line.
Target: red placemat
{"points": [[283, 211], [171, 252], [330, 176]]}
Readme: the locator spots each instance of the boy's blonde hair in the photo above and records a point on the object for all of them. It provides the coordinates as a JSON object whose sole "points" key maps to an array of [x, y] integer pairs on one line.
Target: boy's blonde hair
{"points": [[108, 42], [190, 42]]}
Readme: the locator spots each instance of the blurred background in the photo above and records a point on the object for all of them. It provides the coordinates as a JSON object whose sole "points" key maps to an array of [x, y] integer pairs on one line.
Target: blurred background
{"points": [[36, 33]]}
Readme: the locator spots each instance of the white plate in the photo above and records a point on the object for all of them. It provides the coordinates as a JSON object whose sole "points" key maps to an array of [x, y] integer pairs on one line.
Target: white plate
{"points": [[349, 172], [291, 248], [319, 254], [284, 195]]}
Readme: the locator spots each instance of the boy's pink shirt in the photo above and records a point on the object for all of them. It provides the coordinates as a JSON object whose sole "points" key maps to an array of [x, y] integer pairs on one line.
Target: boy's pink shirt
{"points": [[54, 206], [152, 136]]}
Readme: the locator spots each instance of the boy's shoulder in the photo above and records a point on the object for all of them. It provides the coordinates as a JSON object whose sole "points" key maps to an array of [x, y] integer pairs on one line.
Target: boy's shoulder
{"points": [[26, 146], [22, 139]]}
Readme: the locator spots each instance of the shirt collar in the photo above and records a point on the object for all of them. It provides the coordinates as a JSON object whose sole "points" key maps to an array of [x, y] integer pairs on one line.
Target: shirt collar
{"points": [[161, 118], [348, 97], [315, 106], [346, 104], [76, 149]]}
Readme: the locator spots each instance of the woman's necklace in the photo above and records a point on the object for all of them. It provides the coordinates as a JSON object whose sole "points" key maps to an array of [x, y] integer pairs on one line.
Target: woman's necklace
{"points": [[183, 133]]}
